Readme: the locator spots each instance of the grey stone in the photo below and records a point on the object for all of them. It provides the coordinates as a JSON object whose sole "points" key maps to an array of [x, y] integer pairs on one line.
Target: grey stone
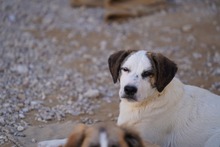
{"points": [[20, 128], [92, 93], [2, 121], [187, 28]]}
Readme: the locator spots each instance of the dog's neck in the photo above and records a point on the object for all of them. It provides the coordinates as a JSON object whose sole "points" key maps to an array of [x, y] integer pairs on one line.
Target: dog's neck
{"points": [[153, 105]]}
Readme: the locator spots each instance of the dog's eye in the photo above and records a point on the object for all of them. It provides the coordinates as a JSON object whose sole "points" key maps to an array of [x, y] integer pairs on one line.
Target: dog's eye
{"points": [[125, 69], [147, 73]]}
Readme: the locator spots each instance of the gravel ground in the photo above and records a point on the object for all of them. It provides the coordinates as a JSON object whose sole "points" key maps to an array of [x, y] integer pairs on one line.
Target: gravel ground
{"points": [[53, 59]]}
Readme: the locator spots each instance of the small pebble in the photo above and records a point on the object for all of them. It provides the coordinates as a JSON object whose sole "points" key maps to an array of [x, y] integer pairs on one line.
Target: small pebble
{"points": [[2, 121], [12, 18], [22, 69], [218, 28], [21, 96], [20, 128], [110, 115], [92, 93], [186, 28], [21, 115], [33, 140]]}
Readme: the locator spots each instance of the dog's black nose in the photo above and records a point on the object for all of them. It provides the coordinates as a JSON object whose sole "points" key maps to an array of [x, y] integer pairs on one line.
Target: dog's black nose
{"points": [[130, 90]]}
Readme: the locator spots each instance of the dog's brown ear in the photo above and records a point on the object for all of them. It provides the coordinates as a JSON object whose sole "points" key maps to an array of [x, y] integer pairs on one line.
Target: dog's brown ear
{"points": [[164, 68], [77, 136], [132, 138], [114, 62]]}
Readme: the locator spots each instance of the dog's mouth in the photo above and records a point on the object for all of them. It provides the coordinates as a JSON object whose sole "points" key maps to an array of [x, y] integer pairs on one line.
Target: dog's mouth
{"points": [[131, 98]]}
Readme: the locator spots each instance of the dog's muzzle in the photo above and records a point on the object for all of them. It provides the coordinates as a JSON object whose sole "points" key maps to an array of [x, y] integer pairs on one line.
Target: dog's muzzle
{"points": [[130, 92]]}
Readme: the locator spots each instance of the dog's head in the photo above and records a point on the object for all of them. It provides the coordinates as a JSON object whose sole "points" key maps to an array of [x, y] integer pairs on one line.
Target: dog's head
{"points": [[103, 135], [140, 73]]}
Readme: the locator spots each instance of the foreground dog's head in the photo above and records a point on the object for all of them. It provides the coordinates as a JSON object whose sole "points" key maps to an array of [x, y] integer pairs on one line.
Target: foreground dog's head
{"points": [[140, 73], [103, 136]]}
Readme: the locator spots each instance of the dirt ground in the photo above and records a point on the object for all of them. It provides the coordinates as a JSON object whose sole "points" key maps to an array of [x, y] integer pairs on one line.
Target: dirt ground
{"points": [[52, 54]]}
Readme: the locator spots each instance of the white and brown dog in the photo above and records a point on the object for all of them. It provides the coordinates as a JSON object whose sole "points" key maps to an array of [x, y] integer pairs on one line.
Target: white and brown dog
{"points": [[99, 135], [163, 109]]}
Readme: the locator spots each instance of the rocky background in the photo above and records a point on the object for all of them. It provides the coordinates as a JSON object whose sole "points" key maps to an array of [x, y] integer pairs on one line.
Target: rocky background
{"points": [[53, 61]]}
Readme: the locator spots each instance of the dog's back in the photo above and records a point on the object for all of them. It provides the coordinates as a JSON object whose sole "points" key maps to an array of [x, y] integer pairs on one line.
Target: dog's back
{"points": [[198, 117]]}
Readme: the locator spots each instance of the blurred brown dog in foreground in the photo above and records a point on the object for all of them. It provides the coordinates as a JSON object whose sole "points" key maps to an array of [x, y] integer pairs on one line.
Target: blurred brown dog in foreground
{"points": [[105, 135], [99, 135]]}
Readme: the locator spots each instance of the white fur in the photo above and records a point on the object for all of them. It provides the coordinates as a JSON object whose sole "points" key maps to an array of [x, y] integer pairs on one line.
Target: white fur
{"points": [[180, 116], [103, 140]]}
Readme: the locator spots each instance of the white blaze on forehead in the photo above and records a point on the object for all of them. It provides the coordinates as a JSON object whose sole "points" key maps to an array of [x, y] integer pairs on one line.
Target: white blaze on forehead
{"points": [[103, 140], [138, 62]]}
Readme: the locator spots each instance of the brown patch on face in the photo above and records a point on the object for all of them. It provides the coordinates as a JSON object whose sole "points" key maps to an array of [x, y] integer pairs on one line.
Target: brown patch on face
{"points": [[152, 80], [115, 60], [164, 70]]}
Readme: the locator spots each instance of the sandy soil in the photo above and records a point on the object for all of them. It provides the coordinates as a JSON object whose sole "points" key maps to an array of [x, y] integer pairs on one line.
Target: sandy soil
{"points": [[188, 33]]}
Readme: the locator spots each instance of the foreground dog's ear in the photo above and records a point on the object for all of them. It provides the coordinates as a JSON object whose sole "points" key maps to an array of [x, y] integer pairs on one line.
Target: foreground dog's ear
{"points": [[114, 62], [77, 136], [132, 138], [164, 68]]}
